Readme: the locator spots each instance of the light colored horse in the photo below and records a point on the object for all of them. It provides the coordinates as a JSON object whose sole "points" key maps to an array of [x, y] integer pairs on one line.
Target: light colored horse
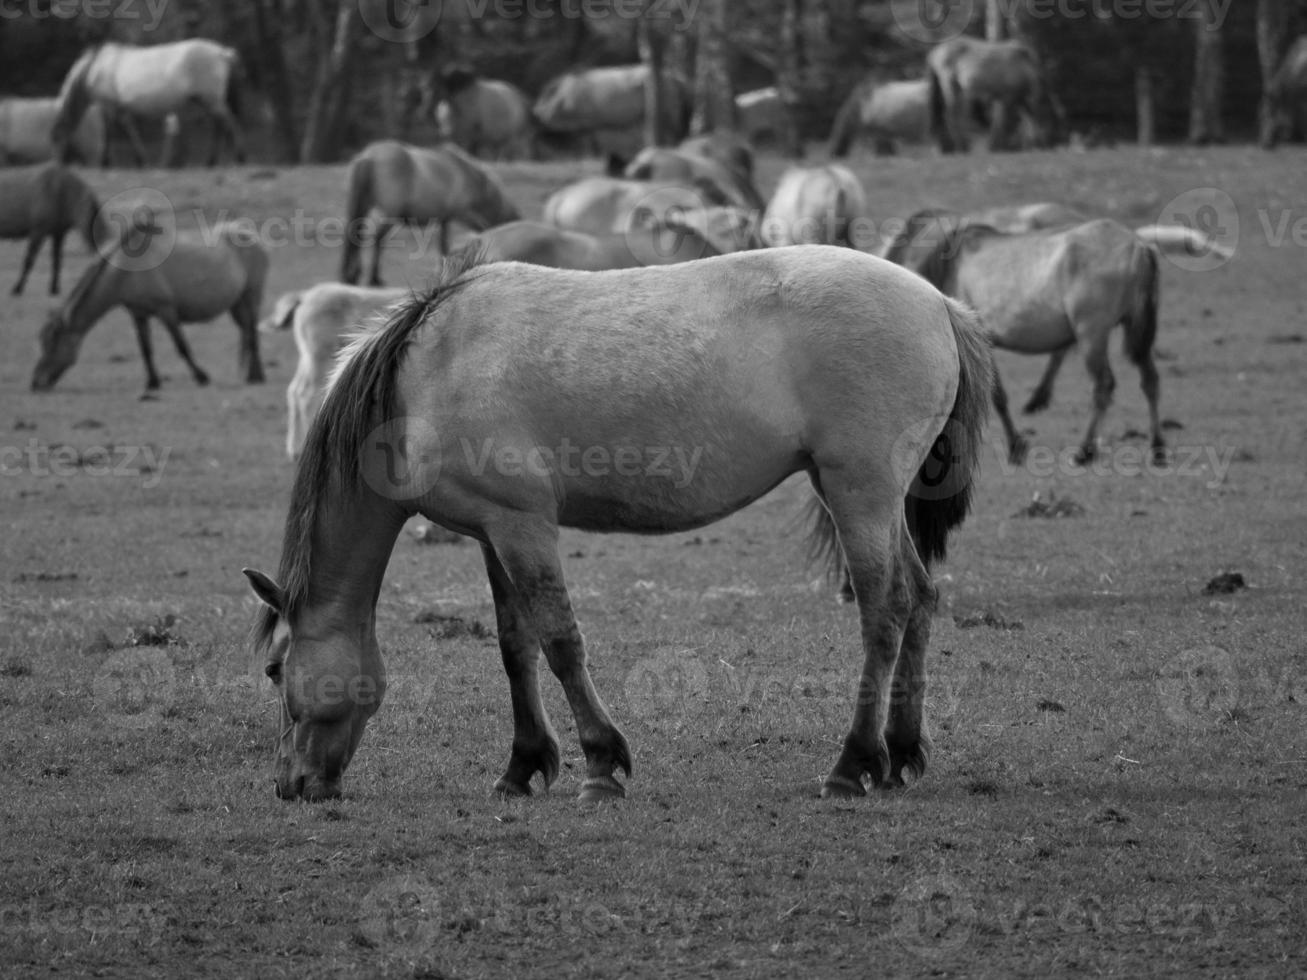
{"points": [[609, 105], [972, 79], [761, 116], [598, 205], [1041, 292], [886, 112], [415, 186], [321, 318], [190, 278], [487, 117], [47, 202], [25, 133], [541, 244], [1287, 94], [814, 205], [154, 81], [665, 165], [810, 360]]}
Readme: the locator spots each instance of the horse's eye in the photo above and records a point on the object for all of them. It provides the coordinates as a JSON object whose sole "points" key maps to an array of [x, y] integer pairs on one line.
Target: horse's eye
{"points": [[273, 671]]}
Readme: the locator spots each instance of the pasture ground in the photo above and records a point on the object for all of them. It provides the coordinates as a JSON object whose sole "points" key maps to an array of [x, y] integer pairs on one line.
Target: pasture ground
{"points": [[1118, 784]]}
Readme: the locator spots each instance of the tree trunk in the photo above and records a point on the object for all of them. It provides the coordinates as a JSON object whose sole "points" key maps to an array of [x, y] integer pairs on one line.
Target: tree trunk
{"points": [[650, 46], [331, 94], [788, 76], [1144, 116], [276, 79], [1205, 124], [1272, 25], [714, 96], [995, 22]]}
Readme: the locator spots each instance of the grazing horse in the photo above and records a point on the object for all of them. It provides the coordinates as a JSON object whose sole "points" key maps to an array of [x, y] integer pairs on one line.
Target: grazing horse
{"points": [[321, 318], [25, 133], [598, 205], [189, 278], [817, 360], [1041, 292], [415, 186], [814, 205], [728, 149], [1286, 95], [609, 105], [886, 112], [46, 203], [541, 244], [660, 163], [154, 81], [487, 117], [974, 79]]}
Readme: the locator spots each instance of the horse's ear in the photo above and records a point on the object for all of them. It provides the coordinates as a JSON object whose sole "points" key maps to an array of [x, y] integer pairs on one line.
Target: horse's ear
{"points": [[266, 589]]}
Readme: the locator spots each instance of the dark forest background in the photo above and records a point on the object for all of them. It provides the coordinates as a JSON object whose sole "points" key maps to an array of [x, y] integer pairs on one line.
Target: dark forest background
{"points": [[321, 82]]}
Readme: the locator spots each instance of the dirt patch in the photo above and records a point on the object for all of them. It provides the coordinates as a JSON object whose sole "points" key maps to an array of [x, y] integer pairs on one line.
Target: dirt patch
{"points": [[1225, 583], [446, 627], [989, 619], [156, 634], [1053, 506]]}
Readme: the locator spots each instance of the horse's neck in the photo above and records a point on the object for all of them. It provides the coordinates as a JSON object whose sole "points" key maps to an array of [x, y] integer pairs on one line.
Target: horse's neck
{"points": [[90, 220], [98, 296]]}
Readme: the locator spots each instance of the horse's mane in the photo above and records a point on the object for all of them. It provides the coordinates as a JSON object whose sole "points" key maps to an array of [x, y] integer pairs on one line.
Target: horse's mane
{"points": [[952, 237], [363, 391], [76, 76]]}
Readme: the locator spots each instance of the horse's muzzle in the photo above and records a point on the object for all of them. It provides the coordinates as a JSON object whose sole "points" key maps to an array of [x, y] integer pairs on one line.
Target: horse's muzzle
{"points": [[310, 790]]}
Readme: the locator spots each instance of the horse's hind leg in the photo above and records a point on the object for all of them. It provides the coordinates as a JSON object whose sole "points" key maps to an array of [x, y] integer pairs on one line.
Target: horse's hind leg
{"points": [[183, 348], [33, 250], [384, 228], [1104, 384], [1017, 447], [535, 745], [56, 260], [909, 745], [142, 324], [1043, 393], [246, 315], [1151, 385], [528, 550], [869, 530]]}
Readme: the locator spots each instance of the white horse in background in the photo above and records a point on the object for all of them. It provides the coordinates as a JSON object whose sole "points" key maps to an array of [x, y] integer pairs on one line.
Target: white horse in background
{"points": [[25, 125], [814, 206], [321, 318], [153, 81]]}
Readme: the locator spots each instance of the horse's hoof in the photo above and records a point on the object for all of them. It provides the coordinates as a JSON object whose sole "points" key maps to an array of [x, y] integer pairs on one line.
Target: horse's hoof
{"points": [[597, 789], [149, 396], [1035, 406], [1160, 457], [841, 788], [506, 787], [1016, 453], [201, 379], [1084, 455]]}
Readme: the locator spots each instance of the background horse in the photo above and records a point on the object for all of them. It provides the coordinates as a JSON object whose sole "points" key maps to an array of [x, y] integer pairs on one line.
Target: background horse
{"points": [[659, 243], [994, 82], [25, 133], [190, 279], [769, 363], [321, 319], [608, 104], [414, 186], [37, 204], [660, 163], [154, 81], [885, 112], [487, 117], [598, 205], [1042, 292], [1287, 94], [729, 149], [814, 205], [761, 116]]}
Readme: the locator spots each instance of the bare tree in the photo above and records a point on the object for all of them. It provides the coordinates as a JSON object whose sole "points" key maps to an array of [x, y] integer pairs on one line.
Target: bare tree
{"points": [[651, 45], [1272, 25], [1205, 122], [789, 63], [995, 21], [328, 103], [714, 96]]}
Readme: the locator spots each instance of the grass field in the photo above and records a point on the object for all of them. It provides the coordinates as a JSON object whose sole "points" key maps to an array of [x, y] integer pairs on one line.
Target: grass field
{"points": [[1121, 759]]}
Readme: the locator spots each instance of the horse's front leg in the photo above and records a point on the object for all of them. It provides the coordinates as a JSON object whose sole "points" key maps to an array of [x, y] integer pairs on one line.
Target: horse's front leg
{"points": [[528, 549], [1017, 447], [384, 228], [535, 745], [1043, 393], [1104, 384], [173, 326], [34, 241], [128, 123], [142, 324], [246, 315]]}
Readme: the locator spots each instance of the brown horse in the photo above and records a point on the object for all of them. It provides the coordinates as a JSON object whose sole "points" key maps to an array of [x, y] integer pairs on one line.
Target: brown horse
{"points": [[662, 243], [886, 112], [25, 133], [415, 186], [1042, 292], [598, 205], [186, 277], [660, 163], [47, 203], [743, 369], [729, 149], [489, 118], [995, 82]]}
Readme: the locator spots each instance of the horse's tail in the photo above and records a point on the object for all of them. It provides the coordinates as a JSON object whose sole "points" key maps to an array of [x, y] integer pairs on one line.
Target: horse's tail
{"points": [[846, 124], [282, 316], [938, 111], [235, 82], [1141, 327], [940, 496], [1179, 240], [358, 204]]}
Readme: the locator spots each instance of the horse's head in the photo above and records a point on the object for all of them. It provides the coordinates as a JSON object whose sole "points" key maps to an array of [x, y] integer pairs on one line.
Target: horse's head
{"points": [[59, 343], [927, 243], [329, 682]]}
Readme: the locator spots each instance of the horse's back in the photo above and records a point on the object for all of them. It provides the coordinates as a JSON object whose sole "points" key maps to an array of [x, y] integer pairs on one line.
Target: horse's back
{"points": [[811, 194]]}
